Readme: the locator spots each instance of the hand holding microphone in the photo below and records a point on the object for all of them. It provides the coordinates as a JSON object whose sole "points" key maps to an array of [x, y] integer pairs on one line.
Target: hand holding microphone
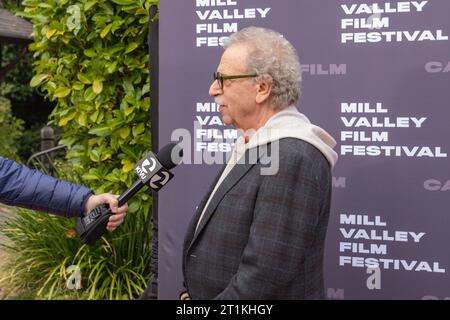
{"points": [[118, 213], [152, 170]]}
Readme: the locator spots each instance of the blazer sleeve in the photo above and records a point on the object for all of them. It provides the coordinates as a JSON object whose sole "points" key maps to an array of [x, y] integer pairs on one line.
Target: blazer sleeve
{"points": [[286, 216], [23, 187]]}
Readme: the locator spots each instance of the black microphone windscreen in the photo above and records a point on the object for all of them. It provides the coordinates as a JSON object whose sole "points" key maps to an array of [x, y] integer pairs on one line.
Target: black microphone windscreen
{"points": [[170, 155]]}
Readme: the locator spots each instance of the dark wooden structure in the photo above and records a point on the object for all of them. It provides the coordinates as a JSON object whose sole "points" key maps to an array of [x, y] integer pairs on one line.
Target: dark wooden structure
{"points": [[14, 29]]}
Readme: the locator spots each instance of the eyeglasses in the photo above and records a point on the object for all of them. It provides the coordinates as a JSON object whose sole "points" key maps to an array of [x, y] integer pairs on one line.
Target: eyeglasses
{"points": [[220, 77]]}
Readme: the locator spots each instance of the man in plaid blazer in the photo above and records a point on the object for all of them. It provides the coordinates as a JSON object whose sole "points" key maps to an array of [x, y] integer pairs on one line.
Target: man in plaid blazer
{"points": [[259, 232]]}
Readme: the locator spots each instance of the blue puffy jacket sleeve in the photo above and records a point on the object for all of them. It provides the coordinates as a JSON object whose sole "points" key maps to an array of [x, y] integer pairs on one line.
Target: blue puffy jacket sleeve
{"points": [[27, 188]]}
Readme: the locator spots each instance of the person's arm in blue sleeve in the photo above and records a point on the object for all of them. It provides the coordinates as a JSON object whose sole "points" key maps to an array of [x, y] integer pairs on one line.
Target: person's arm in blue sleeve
{"points": [[27, 188]]}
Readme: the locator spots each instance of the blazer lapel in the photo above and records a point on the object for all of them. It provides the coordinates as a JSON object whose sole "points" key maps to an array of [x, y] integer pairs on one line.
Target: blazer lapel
{"points": [[238, 171], [193, 224]]}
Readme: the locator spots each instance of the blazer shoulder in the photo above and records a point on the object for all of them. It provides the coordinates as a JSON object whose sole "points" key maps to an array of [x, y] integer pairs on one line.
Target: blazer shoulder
{"points": [[299, 149]]}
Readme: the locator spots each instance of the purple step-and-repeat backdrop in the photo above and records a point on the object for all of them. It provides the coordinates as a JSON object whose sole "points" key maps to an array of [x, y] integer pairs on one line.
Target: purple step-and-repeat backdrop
{"points": [[375, 76]]}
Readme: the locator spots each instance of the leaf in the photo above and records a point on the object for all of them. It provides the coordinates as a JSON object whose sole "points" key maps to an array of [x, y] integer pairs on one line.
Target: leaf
{"points": [[64, 120], [78, 86], [132, 46], [127, 165], [107, 155], [94, 155], [124, 2], [90, 53], [107, 8], [44, 5], [111, 67], [128, 111], [93, 116], [97, 86], [144, 20], [83, 78], [133, 206], [105, 31], [49, 86], [95, 141], [37, 79], [82, 119], [124, 132], [146, 89], [138, 129], [68, 140], [89, 94], [142, 11], [101, 116], [129, 151], [112, 177], [62, 92], [101, 131], [116, 25], [49, 33], [88, 5], [90, 176], [56, 23], [128, 87], [85, 107]]}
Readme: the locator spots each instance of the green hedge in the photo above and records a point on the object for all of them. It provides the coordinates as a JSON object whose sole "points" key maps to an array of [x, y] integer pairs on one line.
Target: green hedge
{"points": [[92, 58], [10, 130]]}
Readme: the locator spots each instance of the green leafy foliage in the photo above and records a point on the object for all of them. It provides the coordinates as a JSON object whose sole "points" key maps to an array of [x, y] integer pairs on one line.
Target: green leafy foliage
{"points": [[91, 60], [10, 130], [15, 84], [10, 5], [45, 246], [29, 143]]}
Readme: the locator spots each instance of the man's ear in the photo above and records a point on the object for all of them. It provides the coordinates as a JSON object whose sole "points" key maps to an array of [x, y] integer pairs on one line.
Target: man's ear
{"points": [[264, 89]]}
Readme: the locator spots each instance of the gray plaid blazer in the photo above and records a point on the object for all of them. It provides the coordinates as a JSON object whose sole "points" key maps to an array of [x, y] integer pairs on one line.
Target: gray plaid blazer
{"points": [[262, 236]]}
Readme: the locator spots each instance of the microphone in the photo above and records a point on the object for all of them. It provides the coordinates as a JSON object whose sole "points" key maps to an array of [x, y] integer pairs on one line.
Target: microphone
{"points": [[152, 170]]}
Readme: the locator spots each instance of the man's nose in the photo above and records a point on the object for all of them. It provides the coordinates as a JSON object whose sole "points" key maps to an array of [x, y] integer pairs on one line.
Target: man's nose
{"points": [[214, 89]]}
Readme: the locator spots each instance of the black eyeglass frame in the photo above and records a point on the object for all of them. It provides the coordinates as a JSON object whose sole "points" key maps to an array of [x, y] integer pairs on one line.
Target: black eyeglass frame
{"points": [[220, 77]]}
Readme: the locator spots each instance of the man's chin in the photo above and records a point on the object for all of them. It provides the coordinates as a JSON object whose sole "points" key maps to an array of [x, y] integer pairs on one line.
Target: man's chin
{"points": [[226, 120]]}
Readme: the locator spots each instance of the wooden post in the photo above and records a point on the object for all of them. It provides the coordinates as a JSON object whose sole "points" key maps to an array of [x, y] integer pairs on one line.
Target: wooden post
{"points": [[47, 142]]}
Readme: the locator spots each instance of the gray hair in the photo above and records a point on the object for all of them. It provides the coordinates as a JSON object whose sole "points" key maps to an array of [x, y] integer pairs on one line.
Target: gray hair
{"points": [[271, 54]]}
